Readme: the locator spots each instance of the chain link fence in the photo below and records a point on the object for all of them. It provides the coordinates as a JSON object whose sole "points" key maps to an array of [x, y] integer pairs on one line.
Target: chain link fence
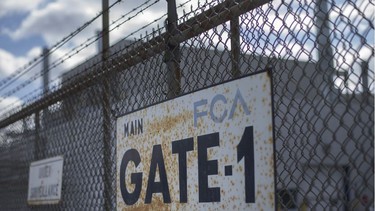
{"points": [[322, 57]]}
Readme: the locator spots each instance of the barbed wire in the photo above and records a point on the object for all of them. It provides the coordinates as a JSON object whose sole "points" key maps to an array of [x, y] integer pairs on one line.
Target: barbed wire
{"points": [[76, 50], [22, 71], [305, 120], [149, 24], [96, 37], [81, 47], [93, 39]]}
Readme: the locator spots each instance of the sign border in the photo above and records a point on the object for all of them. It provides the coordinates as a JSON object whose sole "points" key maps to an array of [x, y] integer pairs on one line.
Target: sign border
{"points": [[46, 201], [268, 71]]}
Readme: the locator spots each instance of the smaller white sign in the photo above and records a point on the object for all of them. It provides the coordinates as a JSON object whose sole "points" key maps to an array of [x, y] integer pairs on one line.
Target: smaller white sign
{"points": [[45, 181]]}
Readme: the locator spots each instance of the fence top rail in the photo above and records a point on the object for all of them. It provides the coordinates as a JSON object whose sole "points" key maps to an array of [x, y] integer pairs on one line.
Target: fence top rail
{"points": [[192, 27]]}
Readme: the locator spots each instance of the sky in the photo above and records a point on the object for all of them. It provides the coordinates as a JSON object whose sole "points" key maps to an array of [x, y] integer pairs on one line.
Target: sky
{"points": [[27, 26]]}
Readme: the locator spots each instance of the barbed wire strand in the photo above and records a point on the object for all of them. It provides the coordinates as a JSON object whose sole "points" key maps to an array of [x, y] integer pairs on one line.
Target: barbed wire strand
{"points": [[81, 46], [62, 59], [84, 45], [27, 68], [39, 90]]}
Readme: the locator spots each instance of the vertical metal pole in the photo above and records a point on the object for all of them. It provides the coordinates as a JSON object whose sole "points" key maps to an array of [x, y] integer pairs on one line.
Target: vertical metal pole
{"points": [[37, 137], [100, 42], [106, 111], [105, 31], [325, 54], [24, 125], [45, 83], [172, 54], [42, 122], [45, 71], [346, 186], [364, 77], [235, 46]]}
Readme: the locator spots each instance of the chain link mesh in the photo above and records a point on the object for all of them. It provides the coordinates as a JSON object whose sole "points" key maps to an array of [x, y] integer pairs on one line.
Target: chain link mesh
{"points": [[322, 58]]}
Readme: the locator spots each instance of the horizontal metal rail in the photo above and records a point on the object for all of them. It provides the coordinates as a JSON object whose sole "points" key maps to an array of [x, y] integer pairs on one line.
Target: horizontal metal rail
{"points": [[208, 19]]}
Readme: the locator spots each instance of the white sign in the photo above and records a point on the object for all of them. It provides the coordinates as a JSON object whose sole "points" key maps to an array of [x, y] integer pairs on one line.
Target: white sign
{"points": [[208, 150], [45, 181]]}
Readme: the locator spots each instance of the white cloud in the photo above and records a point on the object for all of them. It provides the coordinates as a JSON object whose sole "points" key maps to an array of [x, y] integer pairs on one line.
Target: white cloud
{"points": [[56, 20], [9, 63], [136, 23], [7, 106], [9, 103], [59, 18], [61, 57], [11, 7], [53, 22]]}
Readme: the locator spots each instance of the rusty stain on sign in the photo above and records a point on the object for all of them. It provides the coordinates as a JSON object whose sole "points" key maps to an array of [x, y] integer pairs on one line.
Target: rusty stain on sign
{"points": [[207, 150]]}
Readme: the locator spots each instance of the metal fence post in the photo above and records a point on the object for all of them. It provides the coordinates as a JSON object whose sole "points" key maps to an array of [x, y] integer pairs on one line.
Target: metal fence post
{"points": [[39, 150], [172, 54], [37, 144], [106, 111], [45, 85], [45, 71], [364, 77], [325, 54], [320, 143], [235, 46]]}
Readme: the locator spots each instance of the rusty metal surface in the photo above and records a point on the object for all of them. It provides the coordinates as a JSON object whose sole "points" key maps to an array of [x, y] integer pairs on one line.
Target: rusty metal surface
{"points": [[173, 120], [322, 56]]}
